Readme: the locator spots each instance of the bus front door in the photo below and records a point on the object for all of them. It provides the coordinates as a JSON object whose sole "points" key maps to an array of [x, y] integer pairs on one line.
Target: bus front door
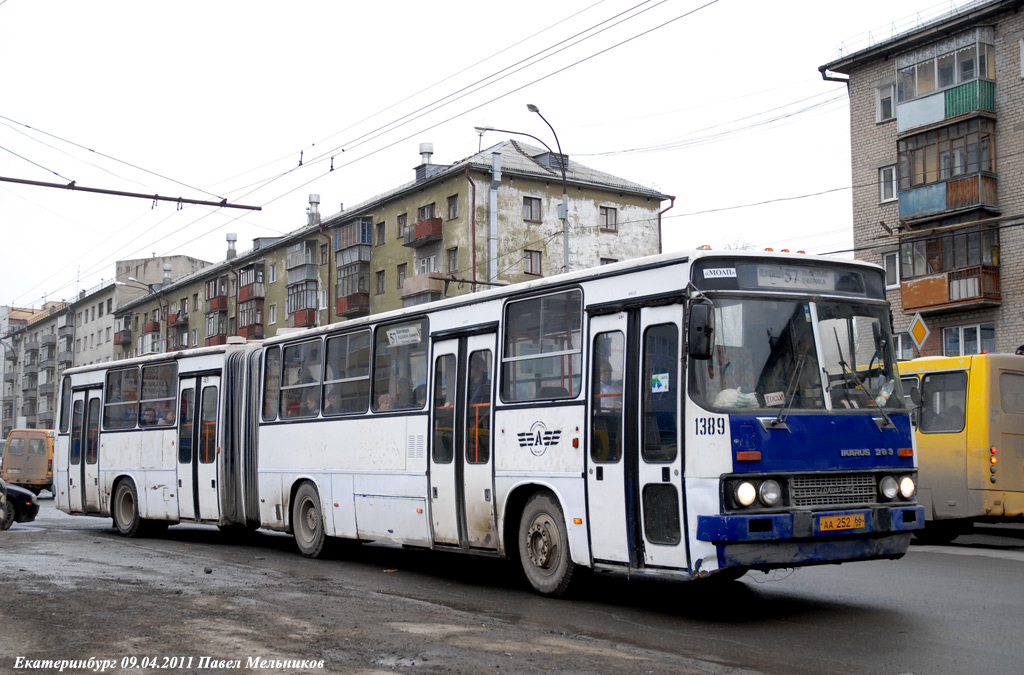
{"points": [[635, 463], [84, 453], [198, 452], [461, 458]]}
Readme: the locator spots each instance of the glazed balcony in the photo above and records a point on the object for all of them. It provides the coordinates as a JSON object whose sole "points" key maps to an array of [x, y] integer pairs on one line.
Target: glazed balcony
{"points": [[423, 232], [123, 337], [65, 358], [356, 304], [303, 318]]}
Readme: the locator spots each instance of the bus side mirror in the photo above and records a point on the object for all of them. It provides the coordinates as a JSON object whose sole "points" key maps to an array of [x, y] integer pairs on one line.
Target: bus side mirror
{"points": [[701, 331]]}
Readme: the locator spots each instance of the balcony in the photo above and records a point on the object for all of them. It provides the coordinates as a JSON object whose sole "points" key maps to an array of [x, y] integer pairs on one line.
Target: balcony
{"points": [[257, 290], [302, 273], [10, 377], [422, 283], [253, 332], [31, 369], [32, 346], [355, 304], [217, 303], [423, 232], [65, 359], [46, 420], [11, 356], [969, 288], [46, 389], [48, 340], [303, 318], [945, 104], [956, 194], [123, 337], [214, 340], [151, 327], [177, 319], [48, 361], [29, 391]]}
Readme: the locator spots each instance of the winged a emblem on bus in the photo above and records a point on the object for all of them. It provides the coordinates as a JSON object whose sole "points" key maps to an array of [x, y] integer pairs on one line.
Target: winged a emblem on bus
{"points": [[539, 438]]}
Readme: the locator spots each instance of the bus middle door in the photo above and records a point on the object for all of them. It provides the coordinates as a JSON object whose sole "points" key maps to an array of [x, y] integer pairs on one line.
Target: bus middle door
{"points": [[197, 448], [461, 461]]}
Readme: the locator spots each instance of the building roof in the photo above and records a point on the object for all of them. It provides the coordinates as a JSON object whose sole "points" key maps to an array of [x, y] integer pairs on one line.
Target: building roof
{"points": [[959, 19]]}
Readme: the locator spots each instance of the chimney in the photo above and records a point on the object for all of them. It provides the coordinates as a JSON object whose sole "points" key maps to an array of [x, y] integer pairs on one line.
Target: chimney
{"points": [[232, 238], [313, 214], [426, 151], [167, 273]]}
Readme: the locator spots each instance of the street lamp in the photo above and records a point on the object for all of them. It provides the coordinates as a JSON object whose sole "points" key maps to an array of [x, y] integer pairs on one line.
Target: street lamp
{"points": [[563, 208]]}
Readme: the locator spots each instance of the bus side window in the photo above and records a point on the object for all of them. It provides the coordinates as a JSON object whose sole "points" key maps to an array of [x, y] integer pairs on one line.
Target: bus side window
{"points": [[121, 404], [271, 383], [300, 394], [944, 398], [347, 381]]}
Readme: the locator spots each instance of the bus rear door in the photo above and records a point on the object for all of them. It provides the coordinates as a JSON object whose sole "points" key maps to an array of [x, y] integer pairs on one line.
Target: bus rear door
{"points": [[198, 452], [634, 473], [461, 460]]}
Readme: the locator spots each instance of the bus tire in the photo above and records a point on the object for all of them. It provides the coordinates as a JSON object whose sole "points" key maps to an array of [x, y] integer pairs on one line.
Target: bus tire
{"points": [[544, 546], [308, 521], [125, 510], [938, 532]]}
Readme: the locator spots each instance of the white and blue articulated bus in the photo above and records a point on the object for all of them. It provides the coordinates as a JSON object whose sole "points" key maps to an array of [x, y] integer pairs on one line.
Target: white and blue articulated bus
{"points": [[685, 415]]}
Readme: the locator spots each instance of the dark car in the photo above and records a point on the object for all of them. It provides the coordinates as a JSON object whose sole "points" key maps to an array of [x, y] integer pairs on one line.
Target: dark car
{"points": [[19, 505]]}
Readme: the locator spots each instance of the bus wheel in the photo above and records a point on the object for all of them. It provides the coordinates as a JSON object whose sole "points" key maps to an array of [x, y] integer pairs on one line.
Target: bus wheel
{"points": [[938, 532], [544, 546], [125, 510], [308, 522]]}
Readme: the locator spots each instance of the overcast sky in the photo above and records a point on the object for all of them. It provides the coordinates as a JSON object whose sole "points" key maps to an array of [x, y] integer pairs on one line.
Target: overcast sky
{"points": [[719, 103]]}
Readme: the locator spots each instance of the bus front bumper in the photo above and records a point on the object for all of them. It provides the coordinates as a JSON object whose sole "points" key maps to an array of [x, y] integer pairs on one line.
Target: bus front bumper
{"points": [[805, 537]]}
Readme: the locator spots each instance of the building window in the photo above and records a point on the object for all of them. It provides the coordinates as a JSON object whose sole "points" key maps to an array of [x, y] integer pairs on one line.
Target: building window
{"points": [[273, 273], [891, 263], [904, 347], [380, 282], [453, 207], [110, 305], [887, 183], [403, 221], [607, 217], [885, 99], [425, 212], [323, 298], [401, 275], [323, 254], [966, 340], [531, 262], [380, 234], [453, 260], [531, 209], [195, 336], [609, 261], [272, 315]]}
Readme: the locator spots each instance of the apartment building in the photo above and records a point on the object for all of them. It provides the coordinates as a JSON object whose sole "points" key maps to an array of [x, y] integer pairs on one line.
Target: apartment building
{"points": [[491, 218], [938, 176], [40, 344]]}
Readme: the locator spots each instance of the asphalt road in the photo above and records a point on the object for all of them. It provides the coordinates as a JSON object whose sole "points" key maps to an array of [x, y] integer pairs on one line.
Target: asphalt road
{"points": [[192, 602]]}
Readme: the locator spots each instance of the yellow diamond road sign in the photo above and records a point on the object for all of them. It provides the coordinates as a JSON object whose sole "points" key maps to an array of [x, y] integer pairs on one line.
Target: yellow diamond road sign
{"points": [[919, 331]]}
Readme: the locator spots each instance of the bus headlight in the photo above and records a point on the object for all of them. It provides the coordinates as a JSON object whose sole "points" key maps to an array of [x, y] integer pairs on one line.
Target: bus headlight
{"points": [[746, 493], [888, 487], [907, 487], [769, 492]]}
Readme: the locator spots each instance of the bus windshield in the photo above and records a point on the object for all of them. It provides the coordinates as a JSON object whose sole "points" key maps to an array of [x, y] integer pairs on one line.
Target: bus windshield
{"points": [[798, 355]]}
